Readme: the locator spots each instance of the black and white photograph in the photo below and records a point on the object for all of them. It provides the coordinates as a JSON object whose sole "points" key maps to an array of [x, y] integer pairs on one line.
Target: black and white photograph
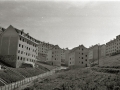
{"points": [[59, 44]]}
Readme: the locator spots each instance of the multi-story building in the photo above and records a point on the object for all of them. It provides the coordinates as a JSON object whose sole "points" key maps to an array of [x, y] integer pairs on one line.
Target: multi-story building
{"points": [[102, 51], [66, 56], [54, 55], [63, 55], [17, 47], [113, 46], [78, 56], [43, 49], [93, 54], [96, 52]]}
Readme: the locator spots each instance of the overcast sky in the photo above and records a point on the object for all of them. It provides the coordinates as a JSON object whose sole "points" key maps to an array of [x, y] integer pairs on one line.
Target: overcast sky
{"points": [[66, 23]]}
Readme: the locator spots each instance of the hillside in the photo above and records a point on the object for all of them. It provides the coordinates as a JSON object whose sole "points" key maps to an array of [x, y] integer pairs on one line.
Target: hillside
{"points": [[110, 61], [9, 75], [79, 79]]}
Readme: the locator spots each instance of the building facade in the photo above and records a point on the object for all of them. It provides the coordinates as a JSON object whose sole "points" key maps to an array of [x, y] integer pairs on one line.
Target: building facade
{"points": [[63, 56], [54, 55], [43, 49], [93, 54], [78, 56], [113, 46], [96, 52], [17, 47]]}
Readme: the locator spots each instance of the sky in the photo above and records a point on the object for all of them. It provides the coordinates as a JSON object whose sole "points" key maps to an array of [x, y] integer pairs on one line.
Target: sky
{"points": [[62, 22]]}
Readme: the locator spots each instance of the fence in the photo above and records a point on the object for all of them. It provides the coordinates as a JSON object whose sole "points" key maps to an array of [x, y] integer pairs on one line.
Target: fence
{"points": [[17, 84]]}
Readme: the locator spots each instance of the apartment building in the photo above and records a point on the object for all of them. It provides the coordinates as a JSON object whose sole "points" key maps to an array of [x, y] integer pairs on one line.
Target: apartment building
{"points": [[54, 55], [96, 52], [78, 56], [63, 55], [67, 56], [113, 46], [18, 47], [102, 49], [93, 54], [43, 49]]}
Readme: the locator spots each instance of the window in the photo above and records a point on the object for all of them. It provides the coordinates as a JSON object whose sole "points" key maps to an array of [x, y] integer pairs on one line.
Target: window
{"points": [[19, 45], [86, 59], [20, 39], [82, 57], [21, 52], [23, 40], [21, 58], [82, 49], [86, 55], [18, 57], [22, 46], [18, 51], [82, 62], [82, 53]]}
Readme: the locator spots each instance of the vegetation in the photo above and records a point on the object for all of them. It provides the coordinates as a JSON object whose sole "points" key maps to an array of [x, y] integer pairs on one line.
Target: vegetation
{"points": [[15, 74], [79, 79]]}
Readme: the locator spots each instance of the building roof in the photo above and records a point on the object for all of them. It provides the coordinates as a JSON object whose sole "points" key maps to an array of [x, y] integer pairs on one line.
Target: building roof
{"points": [[27, 34], [76, 48], [55, 46], [46, 44]]}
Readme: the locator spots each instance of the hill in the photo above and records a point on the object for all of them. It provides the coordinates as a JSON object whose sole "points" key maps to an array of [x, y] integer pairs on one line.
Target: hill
{"points": [[79, 79], [110, 61], [9, 74]]}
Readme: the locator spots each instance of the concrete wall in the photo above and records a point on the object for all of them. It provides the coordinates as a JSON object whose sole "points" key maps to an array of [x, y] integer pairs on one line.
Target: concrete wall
{"points": [[71, 59], [67, 57], [9, 42], [96, 52], [49, 55], [8, 46], [102, 51]]}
